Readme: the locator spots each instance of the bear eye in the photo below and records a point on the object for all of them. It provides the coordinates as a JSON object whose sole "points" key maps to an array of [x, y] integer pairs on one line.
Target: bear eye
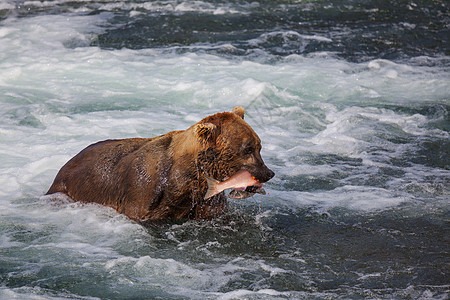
{"points": [[249, 150]]}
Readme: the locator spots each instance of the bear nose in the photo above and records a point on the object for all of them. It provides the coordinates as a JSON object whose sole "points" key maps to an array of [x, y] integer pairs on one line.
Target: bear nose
{"points": [[269, 174], [266, 174]]}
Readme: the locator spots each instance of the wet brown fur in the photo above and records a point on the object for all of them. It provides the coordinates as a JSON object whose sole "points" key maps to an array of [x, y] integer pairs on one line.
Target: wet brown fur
{"points": [[163, 177]]}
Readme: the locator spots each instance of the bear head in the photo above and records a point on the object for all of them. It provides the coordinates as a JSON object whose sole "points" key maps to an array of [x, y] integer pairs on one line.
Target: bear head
{"points": [[228, 145]]}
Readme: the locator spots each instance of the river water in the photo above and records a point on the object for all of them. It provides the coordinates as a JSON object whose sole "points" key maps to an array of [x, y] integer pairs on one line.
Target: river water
{"points": [[351, 102]]}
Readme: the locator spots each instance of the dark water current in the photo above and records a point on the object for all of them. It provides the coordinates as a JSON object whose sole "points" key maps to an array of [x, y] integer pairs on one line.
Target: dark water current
{"points": [[354, 30]]}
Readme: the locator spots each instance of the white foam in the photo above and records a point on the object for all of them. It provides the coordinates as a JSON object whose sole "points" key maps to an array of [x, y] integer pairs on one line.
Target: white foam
{"points": [[6, 242], [37, 293], [176, 6], [261, 294], [360, 198], [287, 36], [4, 5]]}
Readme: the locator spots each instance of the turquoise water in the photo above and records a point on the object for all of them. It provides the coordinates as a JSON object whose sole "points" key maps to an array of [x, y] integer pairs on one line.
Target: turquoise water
{"points": [[351, 103]]}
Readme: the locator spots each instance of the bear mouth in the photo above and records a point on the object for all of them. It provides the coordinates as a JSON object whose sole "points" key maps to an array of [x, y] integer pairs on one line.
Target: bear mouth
{"points": [[254, 189], [247, 192]]}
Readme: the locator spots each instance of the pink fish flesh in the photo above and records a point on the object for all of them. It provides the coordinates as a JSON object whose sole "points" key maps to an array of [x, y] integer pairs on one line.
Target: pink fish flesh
{"points": [[239, 181]]}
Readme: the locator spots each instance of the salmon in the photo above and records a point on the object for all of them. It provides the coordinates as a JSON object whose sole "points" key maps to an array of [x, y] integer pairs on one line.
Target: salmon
{"points": [[239, 181]]}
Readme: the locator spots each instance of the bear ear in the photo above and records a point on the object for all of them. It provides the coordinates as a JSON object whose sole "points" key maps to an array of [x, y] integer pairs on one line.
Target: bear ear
{"points": [[205, 131], [239, 110]]}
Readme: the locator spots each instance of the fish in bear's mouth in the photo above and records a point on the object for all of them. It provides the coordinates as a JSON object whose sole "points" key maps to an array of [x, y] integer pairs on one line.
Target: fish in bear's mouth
{"points": [[243, 184]]}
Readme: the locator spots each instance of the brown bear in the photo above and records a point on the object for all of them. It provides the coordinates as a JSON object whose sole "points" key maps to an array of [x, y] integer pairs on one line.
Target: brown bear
{"points": [[163, 178]]}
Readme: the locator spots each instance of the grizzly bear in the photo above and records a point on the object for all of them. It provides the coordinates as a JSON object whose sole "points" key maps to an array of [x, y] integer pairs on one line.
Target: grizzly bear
{"points": [[164, 178]]}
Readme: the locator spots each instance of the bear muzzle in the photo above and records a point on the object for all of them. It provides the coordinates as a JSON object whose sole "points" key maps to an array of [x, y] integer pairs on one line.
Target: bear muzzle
{"points": [[261, 173]]}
